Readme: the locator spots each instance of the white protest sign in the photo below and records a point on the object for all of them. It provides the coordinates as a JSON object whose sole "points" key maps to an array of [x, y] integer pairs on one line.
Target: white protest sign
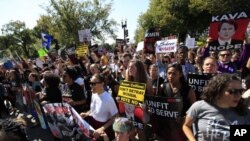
{"points": [[190, 42], [140, 46], [84, 35], [165, 46]]}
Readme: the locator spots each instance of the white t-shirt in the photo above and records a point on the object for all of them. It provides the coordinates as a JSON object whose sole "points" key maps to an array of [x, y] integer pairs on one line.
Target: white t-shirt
{"points": [[102, 107]]}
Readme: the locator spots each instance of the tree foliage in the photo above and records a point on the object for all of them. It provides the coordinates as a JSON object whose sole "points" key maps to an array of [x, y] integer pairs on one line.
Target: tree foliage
{"points": [[180, 17], [65, 17], [16, 36]]}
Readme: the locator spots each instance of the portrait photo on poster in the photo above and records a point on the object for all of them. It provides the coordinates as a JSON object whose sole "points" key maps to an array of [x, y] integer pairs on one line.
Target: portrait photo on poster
{"points": [[227, 31]]}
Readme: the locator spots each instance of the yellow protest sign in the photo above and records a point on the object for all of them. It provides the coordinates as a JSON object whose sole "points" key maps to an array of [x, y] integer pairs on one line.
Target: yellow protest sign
{"points": [[82, 50], [132, 92]]}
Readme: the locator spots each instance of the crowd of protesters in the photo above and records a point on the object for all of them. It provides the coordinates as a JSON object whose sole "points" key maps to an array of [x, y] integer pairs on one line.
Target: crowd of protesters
{"points": [[90, 85]]}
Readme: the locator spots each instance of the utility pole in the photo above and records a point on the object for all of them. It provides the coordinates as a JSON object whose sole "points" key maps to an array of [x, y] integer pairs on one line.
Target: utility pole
{"points": [[125, 31]]}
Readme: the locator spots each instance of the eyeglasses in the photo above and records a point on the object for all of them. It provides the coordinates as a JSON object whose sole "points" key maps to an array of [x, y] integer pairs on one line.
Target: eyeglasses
{"points": [[234, 91], [225, 55], [94, 83]]}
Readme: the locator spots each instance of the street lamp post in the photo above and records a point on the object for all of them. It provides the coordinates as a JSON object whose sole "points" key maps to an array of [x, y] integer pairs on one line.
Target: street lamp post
{"points": [[125, 31]]}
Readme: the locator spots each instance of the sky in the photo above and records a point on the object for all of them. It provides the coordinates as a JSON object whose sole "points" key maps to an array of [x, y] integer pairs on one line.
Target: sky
{"points": [[29, 11]]}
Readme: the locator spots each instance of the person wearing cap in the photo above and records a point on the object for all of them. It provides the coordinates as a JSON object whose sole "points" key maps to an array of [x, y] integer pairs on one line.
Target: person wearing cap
{"points": [[123, 128]]}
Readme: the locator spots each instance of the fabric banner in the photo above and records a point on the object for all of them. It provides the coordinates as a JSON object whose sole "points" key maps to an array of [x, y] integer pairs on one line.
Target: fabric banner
{"points": [[134, 113], [169, 108], [165, 46], [132, 92], [227, 31], [198, 81], [65, 123]]}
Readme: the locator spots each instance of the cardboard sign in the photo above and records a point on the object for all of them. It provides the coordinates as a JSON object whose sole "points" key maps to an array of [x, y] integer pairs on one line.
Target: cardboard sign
{"points": [[227, 31], [165, 46], [132, 92], [190, 42], [82, 50], [84, 35]]}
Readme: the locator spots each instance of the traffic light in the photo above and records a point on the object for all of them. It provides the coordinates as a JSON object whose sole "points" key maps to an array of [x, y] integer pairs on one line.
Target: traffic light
{"points": [[127, 40], [126, 33]]}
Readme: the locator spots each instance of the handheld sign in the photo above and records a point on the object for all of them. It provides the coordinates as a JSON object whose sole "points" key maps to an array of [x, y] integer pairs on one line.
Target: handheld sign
{"points": [[227, 31], [198, 81], [165, 46], [82, 50], [65, 123], [164, 106], [132, 92]]}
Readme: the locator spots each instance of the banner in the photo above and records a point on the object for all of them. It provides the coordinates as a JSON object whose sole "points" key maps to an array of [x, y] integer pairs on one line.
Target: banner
{"points": [[82, 50], [165, 46], [169, 108], [197, 81], [84, 36], [227, 31], [132, 92], [46, 40], [134, 113], [65, 123]]}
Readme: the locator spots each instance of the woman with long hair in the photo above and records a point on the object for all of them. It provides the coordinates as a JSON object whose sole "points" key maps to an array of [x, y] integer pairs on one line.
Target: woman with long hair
{"points": [[221, 107]]}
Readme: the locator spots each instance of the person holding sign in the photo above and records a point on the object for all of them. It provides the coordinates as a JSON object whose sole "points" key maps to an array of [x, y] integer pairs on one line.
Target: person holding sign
{"points": [[221, 107], [176, 87], [137, 73]]}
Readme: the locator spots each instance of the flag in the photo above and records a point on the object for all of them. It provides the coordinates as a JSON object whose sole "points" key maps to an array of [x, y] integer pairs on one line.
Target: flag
{"points": [[46, 40], [42, 52]]}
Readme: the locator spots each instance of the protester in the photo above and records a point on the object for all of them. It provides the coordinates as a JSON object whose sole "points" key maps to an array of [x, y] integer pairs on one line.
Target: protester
{"points": [[181, 56], [103, 109], [221, 107], [52, 92], [156, 79], [176, 87], [77, 97], [123, 128], [210, 65], [224, 63]]}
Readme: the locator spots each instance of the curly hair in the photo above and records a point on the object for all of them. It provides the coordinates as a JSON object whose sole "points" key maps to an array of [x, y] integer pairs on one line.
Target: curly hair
{"points": [[12, 131], [217, 85]]}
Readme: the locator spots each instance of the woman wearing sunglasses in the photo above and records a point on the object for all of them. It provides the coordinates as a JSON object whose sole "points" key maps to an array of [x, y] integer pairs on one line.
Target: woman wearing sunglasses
{"points": [[103, 109], [221, 107]]}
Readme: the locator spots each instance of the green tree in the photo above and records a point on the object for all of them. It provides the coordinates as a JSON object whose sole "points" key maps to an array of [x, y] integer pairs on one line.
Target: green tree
{"points": [[180, 17], [65, 17], [17, 37]]}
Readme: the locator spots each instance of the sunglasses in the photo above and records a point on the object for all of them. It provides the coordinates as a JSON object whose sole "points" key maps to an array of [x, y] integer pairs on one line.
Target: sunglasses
{"points": [[225, 55], [234, 91], [94, 83]]}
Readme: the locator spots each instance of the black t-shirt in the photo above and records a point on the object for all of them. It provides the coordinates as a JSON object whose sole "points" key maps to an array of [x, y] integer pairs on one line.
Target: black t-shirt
{"points": [[53, 95], [77, 94]]}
